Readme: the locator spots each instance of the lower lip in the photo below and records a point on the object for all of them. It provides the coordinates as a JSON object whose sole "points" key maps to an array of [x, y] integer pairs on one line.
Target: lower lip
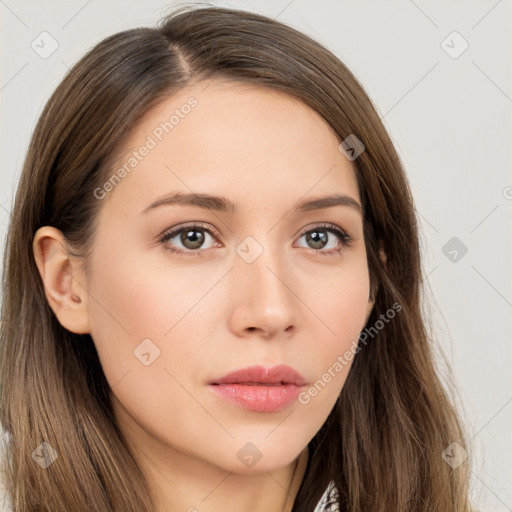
{"points": [[259, 398]]}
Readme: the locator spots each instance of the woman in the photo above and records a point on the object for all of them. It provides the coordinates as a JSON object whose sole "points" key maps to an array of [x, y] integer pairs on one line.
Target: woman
{"points": [[212, 288]]}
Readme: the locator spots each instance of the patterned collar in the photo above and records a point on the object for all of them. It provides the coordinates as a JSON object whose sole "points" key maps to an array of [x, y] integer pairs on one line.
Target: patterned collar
{"points": [[329, 502]]}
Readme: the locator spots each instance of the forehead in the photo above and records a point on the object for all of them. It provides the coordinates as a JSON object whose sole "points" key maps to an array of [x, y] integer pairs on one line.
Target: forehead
{"points": [[232, 139]]}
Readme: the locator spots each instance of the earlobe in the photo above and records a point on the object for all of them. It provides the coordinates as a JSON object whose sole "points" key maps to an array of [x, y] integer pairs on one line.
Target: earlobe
{"points": [[369, 308], [382, 253], [66, 295]]}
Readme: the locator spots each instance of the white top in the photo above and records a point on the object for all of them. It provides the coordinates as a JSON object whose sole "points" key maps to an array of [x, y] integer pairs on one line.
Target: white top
{"points": [[329, 502]]}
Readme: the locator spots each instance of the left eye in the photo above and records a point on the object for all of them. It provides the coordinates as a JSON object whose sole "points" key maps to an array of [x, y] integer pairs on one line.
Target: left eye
{"points": [[320, 238]]}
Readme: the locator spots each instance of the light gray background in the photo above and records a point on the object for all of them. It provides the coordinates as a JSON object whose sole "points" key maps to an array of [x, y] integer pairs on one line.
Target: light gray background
{"points": [[450, 119]]}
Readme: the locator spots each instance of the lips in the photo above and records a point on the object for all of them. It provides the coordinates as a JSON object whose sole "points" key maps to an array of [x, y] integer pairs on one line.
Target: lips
{"points": [[281, 374], [260, 389]]}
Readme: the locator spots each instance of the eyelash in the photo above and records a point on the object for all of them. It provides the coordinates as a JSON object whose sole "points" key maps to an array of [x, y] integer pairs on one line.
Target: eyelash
{"points": [[343, 236]]}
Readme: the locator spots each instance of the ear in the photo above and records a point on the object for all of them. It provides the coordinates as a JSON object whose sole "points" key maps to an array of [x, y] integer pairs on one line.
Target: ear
{"points": [[373, 292], [62, 281]]}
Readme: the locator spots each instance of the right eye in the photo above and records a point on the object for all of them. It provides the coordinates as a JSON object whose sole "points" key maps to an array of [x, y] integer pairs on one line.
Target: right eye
{"points": [[192, 238]]}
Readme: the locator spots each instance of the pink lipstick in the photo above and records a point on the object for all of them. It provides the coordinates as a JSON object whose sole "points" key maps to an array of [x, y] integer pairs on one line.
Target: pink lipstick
{"points": [[260, 389]]}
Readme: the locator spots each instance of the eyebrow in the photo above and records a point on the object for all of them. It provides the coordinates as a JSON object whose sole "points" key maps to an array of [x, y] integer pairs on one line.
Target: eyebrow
{"points": [[224, 205]]}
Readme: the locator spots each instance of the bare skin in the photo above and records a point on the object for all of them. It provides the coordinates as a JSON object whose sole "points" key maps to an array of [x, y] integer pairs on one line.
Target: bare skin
{"points": [[210, 311]]}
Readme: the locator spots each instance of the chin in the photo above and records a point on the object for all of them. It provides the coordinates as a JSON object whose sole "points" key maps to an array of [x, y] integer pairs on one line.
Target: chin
{"points": [[259, 456]]}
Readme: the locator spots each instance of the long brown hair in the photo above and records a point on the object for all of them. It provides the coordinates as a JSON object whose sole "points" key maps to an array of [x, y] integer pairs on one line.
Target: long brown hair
{"points": [[382, 444]]}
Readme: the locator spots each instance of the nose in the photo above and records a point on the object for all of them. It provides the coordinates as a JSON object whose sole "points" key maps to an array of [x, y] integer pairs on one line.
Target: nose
{"points": [[264, 297]]}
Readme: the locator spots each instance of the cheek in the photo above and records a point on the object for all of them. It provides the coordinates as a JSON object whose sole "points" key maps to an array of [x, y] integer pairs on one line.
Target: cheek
{"points": [[151, 321], [148, 334], [339, 300], [345, 313], [138, 311], [341, 309]]}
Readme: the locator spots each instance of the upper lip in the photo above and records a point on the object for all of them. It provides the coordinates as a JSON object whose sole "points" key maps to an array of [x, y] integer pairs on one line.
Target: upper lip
{"points": [[280, 374]]}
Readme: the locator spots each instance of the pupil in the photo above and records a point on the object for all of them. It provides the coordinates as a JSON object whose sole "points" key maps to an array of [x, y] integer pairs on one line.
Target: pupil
{"points": [[190, 240], [317, 237]]}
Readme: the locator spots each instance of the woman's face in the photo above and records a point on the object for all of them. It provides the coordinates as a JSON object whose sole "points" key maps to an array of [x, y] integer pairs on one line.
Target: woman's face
{"points": [[262, 282]]}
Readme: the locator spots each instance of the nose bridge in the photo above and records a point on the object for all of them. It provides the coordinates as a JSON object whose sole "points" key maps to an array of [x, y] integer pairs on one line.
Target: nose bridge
{"points": [[261, 278]]}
